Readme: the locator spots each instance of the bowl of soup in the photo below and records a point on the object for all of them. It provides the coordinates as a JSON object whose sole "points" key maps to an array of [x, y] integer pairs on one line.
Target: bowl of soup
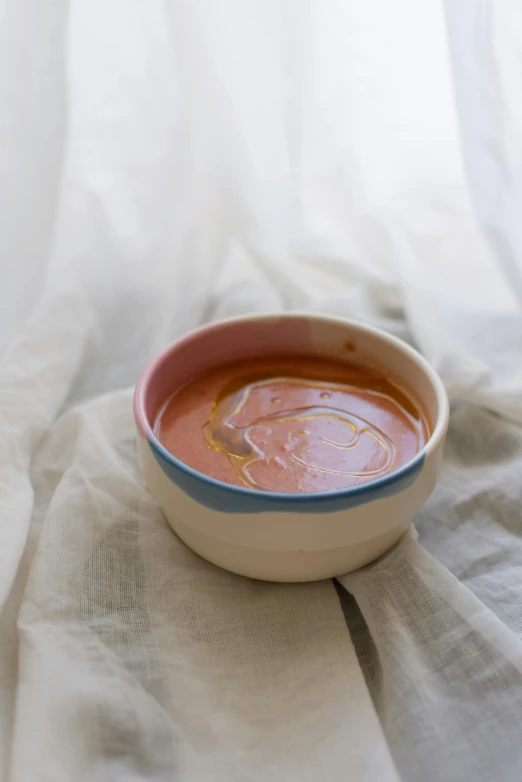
{"points": [[290, 447]]}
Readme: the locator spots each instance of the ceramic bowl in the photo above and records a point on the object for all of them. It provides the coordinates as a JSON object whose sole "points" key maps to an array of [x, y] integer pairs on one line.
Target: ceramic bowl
{"points": [[276, 536]]}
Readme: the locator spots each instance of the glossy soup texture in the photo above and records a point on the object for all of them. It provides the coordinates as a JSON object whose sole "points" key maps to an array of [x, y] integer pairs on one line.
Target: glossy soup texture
{"points": [[292, 424]]}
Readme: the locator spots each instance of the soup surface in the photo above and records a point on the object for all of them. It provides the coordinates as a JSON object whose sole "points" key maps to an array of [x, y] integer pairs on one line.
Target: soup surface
{"points": [[292, 424]]}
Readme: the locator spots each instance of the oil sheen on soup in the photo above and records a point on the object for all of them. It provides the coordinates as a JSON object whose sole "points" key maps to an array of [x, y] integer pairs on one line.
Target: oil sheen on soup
{"points": [[292, 424]]}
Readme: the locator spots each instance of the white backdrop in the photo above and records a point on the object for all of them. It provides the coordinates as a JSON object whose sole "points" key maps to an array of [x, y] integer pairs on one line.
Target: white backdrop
{"points": [[164, 163]]}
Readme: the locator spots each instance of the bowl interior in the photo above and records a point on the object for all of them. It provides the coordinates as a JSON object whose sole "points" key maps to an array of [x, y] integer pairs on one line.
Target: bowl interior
{"points": [[296, 335]]}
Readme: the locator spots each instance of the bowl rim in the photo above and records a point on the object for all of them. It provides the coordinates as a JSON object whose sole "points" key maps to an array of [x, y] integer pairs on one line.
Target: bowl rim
{"points": [[146, 431]]}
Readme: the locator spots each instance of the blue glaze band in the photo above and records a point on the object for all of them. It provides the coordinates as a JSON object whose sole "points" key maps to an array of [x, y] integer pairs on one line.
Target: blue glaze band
{"points": [[226, 498]]}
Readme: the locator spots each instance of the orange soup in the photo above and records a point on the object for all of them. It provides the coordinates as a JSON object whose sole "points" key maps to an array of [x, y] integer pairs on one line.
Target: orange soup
{"points": [[292, 424]]}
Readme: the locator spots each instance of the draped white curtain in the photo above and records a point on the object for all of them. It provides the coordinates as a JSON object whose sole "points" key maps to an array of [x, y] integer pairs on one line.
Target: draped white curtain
{"points": [[165, 163]]}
